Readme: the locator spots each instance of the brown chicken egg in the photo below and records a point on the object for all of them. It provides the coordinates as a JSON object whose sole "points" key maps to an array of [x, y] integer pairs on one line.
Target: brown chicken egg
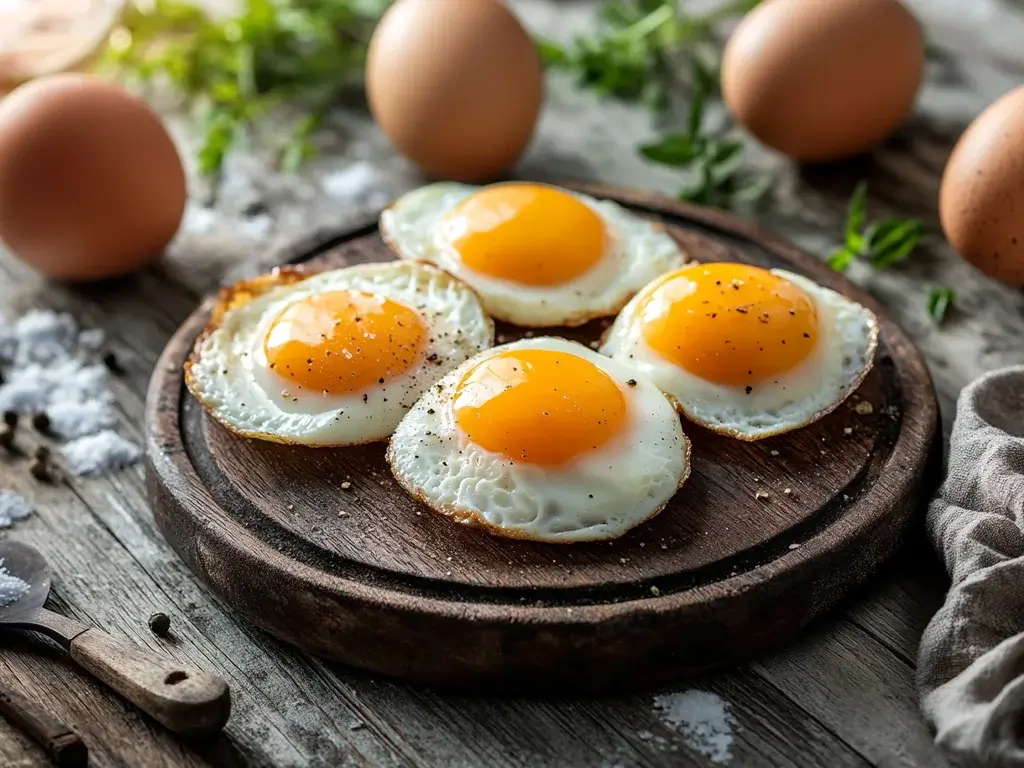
{"points": [[455, 85], [982, 195], [91, 185], [821, 80]]}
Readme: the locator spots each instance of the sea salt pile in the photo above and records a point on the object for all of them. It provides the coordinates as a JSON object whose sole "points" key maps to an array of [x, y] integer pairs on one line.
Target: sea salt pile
{"points": [[358, 184], [702, 718], [13, 507], [98, 454], [51, 366], [12, 588]]}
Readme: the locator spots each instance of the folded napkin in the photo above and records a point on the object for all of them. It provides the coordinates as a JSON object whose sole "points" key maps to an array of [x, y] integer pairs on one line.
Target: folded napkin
{"points": [[971, 662]]}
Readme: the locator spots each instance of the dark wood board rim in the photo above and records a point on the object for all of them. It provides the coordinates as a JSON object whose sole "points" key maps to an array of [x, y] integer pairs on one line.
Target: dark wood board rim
{"points": [[169, 466]]}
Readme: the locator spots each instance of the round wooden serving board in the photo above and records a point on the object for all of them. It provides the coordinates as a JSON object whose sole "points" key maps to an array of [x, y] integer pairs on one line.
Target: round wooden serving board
{"points": [[370, 577]]}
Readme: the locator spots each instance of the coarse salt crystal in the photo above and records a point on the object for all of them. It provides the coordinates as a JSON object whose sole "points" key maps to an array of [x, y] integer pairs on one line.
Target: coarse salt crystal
{"points": [[12, 588], [13, 507], [703, 719], [360, 183], [255, 227], [97, 454], [77, 419]]}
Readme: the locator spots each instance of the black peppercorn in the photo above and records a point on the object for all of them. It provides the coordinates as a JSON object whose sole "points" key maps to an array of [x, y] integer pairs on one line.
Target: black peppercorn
{"points": [[160, 623], [39, 470], [11, 419], [6, 436], [113, 364], [42, 453], [41, 422]]}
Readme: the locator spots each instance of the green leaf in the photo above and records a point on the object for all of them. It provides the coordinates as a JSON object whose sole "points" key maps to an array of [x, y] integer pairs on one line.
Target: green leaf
{"points": [[551, 53], [889, 241], [696, 117], [753, 191], [726, 151], [855, 215], [940, 301], [841, 259], [677, 150]]}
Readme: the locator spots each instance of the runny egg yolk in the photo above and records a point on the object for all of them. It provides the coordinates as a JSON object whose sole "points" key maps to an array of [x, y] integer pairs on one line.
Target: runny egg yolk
{"points": [[539, 406], [342, 342], [527, 233], [731, 324]]}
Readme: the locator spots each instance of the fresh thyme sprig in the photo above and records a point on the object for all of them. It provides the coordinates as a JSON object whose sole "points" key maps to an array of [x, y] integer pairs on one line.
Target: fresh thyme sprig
{"points": [[634, 53], [882, 243], [717, 159], [302, 53]]}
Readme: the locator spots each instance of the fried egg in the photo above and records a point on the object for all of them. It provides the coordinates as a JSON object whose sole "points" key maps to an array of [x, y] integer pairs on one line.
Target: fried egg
{"points": [[542, 439], [745, 351], [537, 255], [335, 358]]}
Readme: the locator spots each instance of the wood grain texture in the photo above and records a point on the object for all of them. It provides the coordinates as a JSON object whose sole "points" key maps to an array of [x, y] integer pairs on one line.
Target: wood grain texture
{"points": [[732, 575], [186, 700], [816, 703], [61, 744]]}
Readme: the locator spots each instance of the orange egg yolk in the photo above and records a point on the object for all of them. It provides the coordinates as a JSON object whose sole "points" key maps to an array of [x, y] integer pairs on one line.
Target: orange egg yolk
{"points": [[539, 406], [342, 342], [729, 323], [527, 233]]}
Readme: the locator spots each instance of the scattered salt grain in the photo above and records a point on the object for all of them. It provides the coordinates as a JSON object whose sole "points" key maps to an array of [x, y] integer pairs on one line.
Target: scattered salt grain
{"points": [[72, 419], [775, 453], [761, 495], [788, 491], [864, 408], [847, 430], [12, 588], [198, 220], [97, 454], [12, 508], [702, 718], [359, 184], [794, 546], [255, 227]]}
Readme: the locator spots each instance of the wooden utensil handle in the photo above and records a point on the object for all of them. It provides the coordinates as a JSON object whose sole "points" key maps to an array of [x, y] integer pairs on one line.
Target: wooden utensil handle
{"points": [[188, 701], [62, 745]]}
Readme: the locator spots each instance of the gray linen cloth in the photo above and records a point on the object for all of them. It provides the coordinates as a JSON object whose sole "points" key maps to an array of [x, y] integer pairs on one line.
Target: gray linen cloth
{"points": [[971, 663]]}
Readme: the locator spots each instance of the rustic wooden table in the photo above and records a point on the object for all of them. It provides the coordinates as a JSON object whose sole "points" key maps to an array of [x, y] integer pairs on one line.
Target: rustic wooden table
{"points": [[842, 696]]}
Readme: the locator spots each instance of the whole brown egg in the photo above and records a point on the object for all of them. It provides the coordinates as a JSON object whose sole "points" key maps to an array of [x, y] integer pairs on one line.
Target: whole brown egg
{"points": [[456, 85], [981, 200], [91, 185], [823, 79]]}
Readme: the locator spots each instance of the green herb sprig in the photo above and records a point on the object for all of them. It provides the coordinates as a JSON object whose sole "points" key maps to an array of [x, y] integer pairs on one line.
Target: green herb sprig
{"points": [[940, 301], [235, 71], [881, 243], [634, 54], [716, 158]]}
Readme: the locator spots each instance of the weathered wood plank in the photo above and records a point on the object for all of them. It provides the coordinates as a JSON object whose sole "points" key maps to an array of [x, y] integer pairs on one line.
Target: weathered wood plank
{"points": [[850, 680], [860, 691]]}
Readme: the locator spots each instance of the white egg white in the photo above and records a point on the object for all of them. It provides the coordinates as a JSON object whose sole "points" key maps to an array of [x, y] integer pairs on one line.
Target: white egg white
{"points": [[415, 227], [228, 371], [600, 495], [848, 337]]}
